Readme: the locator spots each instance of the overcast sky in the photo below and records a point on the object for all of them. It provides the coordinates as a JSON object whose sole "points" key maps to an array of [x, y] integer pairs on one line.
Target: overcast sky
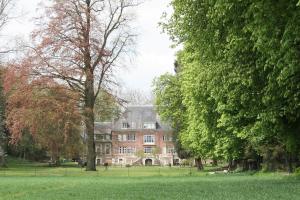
{"points": [[153, 53]]}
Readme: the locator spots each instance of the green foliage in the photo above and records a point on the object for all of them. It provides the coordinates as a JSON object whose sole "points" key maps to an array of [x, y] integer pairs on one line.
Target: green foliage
{"points": [[239, 75], [27, 148], [297, 171], [168, 101], [106, 107]]}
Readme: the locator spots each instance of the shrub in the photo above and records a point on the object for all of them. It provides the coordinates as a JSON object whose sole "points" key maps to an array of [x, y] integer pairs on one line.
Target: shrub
{"points": [[297, 171]]}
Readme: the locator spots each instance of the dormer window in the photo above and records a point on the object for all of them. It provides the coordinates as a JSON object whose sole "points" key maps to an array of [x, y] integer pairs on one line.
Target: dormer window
{"points": [[149, 125], [125, 125]]}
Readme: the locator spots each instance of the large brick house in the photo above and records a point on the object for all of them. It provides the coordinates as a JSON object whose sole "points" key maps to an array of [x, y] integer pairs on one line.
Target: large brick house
{"points": [[138, 137]]}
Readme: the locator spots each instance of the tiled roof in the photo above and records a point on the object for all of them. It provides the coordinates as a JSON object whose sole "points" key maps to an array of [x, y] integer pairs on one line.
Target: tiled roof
{"points": [[136, 117]]}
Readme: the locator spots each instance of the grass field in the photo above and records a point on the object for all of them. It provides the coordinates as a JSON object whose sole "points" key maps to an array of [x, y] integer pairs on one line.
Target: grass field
{"points": [[33, 181]]}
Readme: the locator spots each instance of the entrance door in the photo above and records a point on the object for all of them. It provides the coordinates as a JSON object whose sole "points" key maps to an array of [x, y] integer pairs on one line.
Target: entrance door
{"points": [[148, 162], [98, 161]]}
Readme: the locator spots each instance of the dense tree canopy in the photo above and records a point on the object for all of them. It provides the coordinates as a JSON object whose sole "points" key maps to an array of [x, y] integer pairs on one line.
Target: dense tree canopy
{"points": [[239, 76], [46, 110]]}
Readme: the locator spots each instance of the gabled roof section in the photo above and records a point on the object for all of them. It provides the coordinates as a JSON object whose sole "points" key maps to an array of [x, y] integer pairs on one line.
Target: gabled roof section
{"points": [[140, 117], [103, 127]]}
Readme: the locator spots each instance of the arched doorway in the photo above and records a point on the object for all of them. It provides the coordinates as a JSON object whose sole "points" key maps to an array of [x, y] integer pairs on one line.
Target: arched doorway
{"points": [[148, 162]]}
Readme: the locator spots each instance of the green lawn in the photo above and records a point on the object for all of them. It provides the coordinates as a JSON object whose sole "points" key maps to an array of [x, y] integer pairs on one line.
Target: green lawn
{"points": [[208, 187], [35, 181]]}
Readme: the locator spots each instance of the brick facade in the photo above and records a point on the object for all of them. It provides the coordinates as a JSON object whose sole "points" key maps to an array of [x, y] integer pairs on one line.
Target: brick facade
{"points": [[137, 138]]}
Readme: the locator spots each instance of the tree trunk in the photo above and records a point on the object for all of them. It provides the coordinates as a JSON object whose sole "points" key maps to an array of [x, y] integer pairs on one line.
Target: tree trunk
{"points": [[290, 163], [89, 94], [2, 157], [199, 163], [2, 161], [91, 156], [215, 162], [232, 165], [89, 122]]}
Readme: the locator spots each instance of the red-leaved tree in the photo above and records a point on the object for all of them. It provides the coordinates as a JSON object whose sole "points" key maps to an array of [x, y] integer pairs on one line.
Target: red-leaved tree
{"points": [[80, 43], [48, 110]]}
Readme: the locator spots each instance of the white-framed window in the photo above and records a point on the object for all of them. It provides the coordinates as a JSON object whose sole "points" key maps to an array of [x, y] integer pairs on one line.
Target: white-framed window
{"points": [[120, 160], [127, 150], [149, 125], [167, 138], [133, 125], [170, 150], [131, 137], [107, 149], [125, 125], [164, 151], [148, 149], [119, 137], [124, 137], [131, 150], [99, 148], [99, 136], [107, 137], [149, 139]]}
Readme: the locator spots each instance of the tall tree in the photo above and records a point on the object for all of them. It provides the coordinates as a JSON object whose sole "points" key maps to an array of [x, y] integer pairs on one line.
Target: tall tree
{"points": [[240, 73], [81, 44], [169, 105]]}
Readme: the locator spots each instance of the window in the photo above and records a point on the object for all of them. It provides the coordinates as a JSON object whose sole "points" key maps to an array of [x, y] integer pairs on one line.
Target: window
{"points": [[170, 150], [133, 125], [127, 150], [99, 137], [131, 150], [119, 137], [148, 125], [99, 148], [122, 150], [167, 138], [149, 139], [164, 150], [107, 149], [147, 149], [131, 137], [126, 137], [125, 125], [107, 137]]}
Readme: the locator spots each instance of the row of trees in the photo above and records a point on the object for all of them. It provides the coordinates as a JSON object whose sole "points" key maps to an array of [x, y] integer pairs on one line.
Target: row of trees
{"points": [[236, 93]]}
